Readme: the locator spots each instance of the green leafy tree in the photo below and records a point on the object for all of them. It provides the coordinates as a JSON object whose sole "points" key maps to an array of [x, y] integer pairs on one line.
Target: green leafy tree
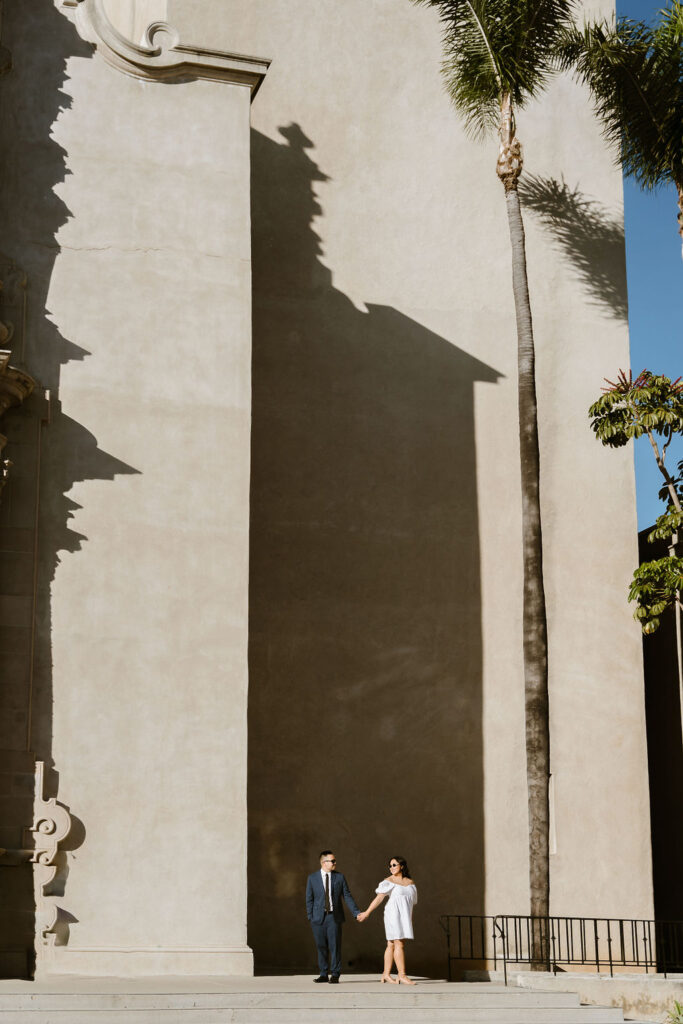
{"points": [[651, 406], [499, 55], [635, 74]]}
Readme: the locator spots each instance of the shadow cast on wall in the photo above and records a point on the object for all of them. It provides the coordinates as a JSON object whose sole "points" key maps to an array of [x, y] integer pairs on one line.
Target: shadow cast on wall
{"points": [[588, 235], [365, 704], [50, 451], [664, 753]]}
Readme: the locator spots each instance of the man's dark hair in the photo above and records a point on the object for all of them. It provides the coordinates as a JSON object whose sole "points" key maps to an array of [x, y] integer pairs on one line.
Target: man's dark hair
{"points": [[325, 853]]}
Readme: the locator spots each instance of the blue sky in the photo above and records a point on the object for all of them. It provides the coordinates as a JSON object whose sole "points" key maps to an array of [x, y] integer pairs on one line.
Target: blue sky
{"points": [[655, 296]]}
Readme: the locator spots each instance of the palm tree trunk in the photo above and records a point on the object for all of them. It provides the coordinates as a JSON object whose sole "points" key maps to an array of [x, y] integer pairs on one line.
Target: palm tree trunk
{"points": [[535, 625], [679, 189], [534, 614]]}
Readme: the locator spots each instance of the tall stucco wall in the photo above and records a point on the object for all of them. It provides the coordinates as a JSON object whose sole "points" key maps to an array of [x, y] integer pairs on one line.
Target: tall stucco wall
{"points": [[386, 691], [126, 202], [386, 688]]}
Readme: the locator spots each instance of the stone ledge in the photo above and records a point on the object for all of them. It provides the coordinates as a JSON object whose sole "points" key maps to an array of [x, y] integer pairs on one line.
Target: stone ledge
{"points": [[641, 996], [143, 961]]}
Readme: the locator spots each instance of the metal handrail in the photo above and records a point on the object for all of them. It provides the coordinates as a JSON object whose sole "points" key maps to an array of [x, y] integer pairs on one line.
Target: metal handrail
{"points": [[471, 937], [574, 941]]}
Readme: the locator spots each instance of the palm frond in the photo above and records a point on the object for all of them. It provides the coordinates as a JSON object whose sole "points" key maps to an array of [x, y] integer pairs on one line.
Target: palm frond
{"points": [[494, 48], [635, 74]]}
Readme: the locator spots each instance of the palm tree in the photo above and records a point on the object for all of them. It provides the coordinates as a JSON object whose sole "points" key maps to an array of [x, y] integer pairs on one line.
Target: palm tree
{"points": [[635, 73], [499, 54]]}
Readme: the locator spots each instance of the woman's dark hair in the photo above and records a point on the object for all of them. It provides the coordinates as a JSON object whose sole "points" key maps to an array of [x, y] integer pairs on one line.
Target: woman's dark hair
{"points": [[405, 870]]}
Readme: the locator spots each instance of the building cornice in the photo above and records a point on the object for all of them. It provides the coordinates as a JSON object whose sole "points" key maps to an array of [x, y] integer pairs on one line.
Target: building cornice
{"points": [[162, 56]]}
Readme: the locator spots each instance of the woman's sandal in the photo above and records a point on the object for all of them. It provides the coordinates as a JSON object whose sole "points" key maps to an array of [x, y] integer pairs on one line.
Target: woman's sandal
{"points": [[387, 977], [403, 979]]}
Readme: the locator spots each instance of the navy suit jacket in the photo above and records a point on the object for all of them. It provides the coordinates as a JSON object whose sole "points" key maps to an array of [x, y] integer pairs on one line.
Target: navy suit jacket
{"points": [[315, 897]]}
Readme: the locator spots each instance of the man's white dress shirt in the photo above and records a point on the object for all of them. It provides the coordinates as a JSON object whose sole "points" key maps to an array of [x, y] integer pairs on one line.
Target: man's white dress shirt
{"points": [[329, 875]]}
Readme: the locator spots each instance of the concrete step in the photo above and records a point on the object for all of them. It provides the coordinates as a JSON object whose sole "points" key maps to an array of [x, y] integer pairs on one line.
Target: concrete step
{"points": [[358, 1000], [252, 1015], [527, 1005]]}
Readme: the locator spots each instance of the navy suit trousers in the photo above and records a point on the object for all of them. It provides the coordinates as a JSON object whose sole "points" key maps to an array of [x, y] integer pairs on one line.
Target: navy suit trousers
{"points": [[328, 940]]}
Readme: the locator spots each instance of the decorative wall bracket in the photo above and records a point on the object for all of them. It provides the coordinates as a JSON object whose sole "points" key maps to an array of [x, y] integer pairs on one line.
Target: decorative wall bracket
{"points": [[51, 825], [5, 55], [162, 56], [15, 384]]}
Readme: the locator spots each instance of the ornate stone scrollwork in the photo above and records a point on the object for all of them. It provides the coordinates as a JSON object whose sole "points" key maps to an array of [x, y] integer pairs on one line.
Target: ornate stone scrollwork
{"points": [[5, 55], [162, 55], [15, 384], [52, 823]]}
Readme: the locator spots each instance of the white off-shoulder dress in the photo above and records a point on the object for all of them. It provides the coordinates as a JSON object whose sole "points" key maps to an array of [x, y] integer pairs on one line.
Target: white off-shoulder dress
{"points": [[398, 909]]}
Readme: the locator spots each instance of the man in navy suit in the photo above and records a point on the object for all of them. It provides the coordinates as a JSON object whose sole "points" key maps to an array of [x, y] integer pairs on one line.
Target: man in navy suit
{"points": [[324, 891]]}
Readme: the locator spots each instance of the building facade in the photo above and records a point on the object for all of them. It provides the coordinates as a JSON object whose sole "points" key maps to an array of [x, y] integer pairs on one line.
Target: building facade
{"points": [[261, 535]]}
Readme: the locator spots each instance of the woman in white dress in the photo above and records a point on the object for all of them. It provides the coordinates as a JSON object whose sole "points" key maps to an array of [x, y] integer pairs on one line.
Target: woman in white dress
{"points": [[398, 917]]}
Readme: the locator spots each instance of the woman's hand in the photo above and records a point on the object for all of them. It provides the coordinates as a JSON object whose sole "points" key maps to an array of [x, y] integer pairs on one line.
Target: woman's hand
{"points": [[363, 914]]}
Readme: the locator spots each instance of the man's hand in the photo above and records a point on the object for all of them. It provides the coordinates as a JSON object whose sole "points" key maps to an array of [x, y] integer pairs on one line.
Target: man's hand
{"points": [[361, 916]]}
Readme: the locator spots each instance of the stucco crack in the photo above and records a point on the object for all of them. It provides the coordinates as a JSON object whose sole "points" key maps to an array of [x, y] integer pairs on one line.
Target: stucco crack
{"points": [[137, 249], [59, 247]]}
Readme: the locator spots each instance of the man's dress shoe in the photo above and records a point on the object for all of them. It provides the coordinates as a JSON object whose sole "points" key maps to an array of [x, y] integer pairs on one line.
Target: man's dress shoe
{"points": [[334, 980], [319, 981]]}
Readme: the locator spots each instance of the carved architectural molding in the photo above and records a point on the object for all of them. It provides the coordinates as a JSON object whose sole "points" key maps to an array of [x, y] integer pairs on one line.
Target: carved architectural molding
{"points": [[162, 56], [15, 384], [5, 55], [51, 825]]}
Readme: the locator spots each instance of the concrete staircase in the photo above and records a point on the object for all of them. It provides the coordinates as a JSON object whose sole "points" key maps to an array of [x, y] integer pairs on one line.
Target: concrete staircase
{"points": [[359, 999]]}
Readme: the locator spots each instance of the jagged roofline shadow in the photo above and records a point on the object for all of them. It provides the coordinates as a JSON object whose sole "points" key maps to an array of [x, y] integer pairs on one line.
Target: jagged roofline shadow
{"points": [[47, 50], [309, 209], [365, 567], [588, 235], [31, 224]]}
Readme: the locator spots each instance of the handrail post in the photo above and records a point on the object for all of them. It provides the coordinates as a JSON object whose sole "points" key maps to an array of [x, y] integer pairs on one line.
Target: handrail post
{"points": [[552, 939], [497, 926]]}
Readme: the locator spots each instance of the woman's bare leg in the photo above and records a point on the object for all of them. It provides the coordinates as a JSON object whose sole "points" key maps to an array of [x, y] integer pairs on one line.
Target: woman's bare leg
{"points": [[399, 957], [388, 963]]}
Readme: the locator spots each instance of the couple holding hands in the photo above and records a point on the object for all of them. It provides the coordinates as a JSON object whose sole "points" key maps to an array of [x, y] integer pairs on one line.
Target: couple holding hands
{"points": [[324, 892]]}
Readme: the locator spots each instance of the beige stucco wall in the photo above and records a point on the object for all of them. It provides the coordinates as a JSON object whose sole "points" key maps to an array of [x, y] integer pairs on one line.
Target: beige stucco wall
{"points": [[386, 700], [386, 692], [138, 242]]}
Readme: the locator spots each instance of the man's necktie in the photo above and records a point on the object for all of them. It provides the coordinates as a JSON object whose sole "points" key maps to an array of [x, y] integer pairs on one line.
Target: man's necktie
{"points": [[328, 905]]}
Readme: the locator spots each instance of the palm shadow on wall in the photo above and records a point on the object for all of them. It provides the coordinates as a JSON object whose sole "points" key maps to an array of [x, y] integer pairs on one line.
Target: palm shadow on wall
{"points": [[365, 701], [590, 237], [50, 451]]}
